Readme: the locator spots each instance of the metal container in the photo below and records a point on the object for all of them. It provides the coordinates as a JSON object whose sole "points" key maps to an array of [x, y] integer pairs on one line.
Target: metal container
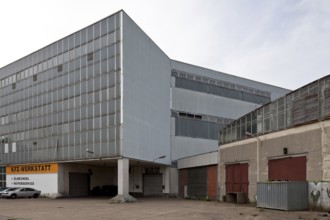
{"points": [[282, 195]]}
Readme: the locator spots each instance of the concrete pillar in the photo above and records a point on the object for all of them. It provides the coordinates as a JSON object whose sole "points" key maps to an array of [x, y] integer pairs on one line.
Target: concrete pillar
{"points": [[123, 179], [123, 182], [167, 179]]}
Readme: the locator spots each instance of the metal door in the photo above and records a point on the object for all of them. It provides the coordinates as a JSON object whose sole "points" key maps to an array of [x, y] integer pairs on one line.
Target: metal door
{"points": [[152, 184], [237, 178], [289, 169], [78, 184]]}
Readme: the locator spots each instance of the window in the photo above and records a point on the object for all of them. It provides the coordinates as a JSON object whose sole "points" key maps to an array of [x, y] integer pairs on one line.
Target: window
{"points": [[90, 57], [187, 127], [35, 77], [13, 147], [13, 86], [59, 68], [2, 176], [6, 148]]}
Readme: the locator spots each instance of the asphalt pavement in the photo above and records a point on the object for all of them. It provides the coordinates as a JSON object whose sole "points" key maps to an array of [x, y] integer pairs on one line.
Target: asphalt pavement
{"points": [[143, 208]]}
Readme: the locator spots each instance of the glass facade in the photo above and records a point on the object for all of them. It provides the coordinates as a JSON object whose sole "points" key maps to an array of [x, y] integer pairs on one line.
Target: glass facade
{"points": [[305, 105], [2, 176], [208, 127], [63, 99], [198, 125], [220, 88]]}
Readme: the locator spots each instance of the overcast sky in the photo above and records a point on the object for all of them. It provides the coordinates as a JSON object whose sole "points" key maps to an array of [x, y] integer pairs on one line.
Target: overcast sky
{"points": [[281, 42]]}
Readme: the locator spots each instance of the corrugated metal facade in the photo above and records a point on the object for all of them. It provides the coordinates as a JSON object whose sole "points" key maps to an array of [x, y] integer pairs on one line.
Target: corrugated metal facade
{"points": [[197, 182], [200, 182], [64, 98], [288, 196]]}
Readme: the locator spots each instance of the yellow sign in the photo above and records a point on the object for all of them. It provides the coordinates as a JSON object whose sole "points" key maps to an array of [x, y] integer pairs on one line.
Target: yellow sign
{"points": [[32, 169]]}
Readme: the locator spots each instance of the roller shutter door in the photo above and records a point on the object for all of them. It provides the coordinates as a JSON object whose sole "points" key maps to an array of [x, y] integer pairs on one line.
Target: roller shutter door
{"points": [[78, 184], [152, 184], [197, 182], [288, 169]]}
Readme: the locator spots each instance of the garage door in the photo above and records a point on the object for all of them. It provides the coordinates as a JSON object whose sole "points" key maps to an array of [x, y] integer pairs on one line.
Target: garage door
{"points": [[289, 169], [197, 182], [78, 184], [237, 178], [152, 184]]}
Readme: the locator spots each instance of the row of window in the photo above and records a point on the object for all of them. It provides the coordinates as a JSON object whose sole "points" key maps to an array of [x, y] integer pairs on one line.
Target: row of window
{"points": [[78, 115], [305, 105], [220, 91], [75, 139], [48, 104], [197, 129], [103, 32], [78, 71], [219, 83], [81, 55], [30, 152]]}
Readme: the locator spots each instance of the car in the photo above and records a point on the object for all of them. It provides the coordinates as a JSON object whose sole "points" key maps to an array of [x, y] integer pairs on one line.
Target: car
{"points": [[5, 189], [21, 192]]}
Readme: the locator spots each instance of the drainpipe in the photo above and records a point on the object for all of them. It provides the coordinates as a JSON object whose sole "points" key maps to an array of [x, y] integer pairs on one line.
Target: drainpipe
{"points": [[259, 144]]}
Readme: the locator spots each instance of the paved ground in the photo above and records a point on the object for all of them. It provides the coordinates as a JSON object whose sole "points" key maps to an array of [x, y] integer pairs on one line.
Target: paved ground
{"points": [[144, 208]]}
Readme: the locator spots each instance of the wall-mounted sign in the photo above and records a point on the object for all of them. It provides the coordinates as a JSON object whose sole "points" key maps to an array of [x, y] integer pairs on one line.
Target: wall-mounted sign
{"points": [[32, 169], [39, 176]]}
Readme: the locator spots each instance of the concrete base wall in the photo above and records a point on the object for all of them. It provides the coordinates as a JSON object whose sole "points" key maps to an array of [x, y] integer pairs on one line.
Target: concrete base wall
{"points": [[310, 140]]}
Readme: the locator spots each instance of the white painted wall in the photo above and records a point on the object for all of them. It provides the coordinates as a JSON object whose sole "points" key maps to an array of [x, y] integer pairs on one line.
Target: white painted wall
{"points": [[46, 182], [146, 96]]}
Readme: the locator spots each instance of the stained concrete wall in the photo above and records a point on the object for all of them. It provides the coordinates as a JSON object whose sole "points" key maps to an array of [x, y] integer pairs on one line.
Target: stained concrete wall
{"points": [[310, 140]]}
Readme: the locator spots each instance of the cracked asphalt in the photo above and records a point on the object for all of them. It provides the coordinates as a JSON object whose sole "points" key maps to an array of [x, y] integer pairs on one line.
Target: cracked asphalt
{"points": [[144, 208]]}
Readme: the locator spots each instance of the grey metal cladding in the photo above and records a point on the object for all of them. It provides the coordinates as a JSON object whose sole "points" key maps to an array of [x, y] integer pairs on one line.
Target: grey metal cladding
{"points": [[284, 195], [73, 103]]}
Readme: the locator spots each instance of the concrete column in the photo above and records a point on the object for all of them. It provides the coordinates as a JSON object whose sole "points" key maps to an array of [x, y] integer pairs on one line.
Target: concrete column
{"points": [[123, 178], [123, 182], [167, 178]]}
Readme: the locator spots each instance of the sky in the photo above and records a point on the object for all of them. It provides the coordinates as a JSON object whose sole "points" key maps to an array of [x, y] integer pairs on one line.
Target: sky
{"points": [[285, 43]]}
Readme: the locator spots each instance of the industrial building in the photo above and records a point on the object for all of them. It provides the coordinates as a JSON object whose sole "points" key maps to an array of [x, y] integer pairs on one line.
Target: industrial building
{"points": [[106, 110], [285, 140]]}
